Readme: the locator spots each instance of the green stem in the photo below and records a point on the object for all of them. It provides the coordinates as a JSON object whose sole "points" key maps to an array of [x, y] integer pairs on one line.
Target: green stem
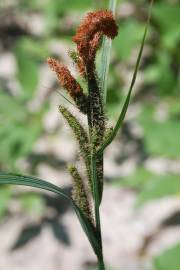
{"points": [[105, 58], [97, 212], [96, 198], [101, 265]]}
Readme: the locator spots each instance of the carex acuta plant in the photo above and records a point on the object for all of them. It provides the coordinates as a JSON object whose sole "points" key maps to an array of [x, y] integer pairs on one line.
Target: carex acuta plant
{"points": [[97, 29]]}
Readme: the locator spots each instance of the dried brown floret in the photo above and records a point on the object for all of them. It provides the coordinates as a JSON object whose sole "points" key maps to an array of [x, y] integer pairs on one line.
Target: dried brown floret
{"points": [[69, 83], [66, 80], [101, 22]]}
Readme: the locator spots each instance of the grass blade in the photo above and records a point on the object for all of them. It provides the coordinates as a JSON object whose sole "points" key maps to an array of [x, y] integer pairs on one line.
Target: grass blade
{"points": [[17, 179], [22, 180], [126, 103], [105, 58], [89, 231]]}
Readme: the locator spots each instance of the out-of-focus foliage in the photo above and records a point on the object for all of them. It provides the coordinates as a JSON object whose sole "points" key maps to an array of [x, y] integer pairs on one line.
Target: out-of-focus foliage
{"points": [[169, 259], [160, 186], [159, 136], [33, 203], [5, 195], [124, 43], [150, 185], [20, 129]]}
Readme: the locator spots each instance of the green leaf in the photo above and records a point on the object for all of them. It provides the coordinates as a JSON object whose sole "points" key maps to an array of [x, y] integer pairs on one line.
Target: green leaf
{"points": [[17, 138], [160, 137], [15, 179], [162, 11], [129, 37], [158, 187], [19, 129], [135, 180], [33, 203], [27, 71], [169, 259], [74, 4], [166, 85], [90, 231], [37, 50], [105, 57], [10, 108], [59, 6], [5, 195]]}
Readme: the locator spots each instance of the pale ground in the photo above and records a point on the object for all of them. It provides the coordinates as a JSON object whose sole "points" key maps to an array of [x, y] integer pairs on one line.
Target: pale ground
{"points": [[124, 229]]}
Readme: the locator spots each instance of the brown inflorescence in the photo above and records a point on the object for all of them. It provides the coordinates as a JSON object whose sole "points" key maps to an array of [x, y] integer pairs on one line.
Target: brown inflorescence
{"points": [[81, 67], [68, 82], [94, 25], [94, 45], [79, 194]]}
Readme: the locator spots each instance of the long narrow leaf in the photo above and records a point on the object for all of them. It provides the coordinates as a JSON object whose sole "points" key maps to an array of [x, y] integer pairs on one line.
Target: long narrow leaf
{"points": [[90, 231], [105, 57], [126, 103], [16, 179]]}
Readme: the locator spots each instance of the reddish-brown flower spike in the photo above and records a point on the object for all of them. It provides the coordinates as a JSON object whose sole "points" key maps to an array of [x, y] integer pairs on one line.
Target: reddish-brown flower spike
{"points": [[94, 45], [69, 83], [101, 22]]}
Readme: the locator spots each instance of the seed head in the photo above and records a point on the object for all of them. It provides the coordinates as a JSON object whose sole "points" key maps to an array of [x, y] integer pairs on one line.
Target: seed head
{"points": [[69, 83], [79, 194], [99, 22]]}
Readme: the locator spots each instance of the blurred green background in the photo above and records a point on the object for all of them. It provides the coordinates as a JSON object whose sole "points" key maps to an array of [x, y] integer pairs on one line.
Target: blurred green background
{"points": [[31, 31]]}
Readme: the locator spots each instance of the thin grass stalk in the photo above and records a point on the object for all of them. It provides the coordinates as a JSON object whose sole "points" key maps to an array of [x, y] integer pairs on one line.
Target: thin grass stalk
{"points": [[97, 212], [101, 264], [105, 58]]}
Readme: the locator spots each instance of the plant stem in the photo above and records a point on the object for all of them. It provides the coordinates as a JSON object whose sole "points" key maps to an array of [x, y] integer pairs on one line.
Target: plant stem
{"points": [[96, 198], [105, 58], [97, 212], [101, 265]]}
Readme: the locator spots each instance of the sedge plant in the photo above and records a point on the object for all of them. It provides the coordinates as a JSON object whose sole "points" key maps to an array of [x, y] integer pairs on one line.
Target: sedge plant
{"points": [[87, 191]]}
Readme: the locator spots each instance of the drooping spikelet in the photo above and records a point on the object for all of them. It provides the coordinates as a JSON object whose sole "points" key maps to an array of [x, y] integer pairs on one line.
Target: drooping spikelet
{"points": [[69, 83], [100, 22], [79, 193], [81, 137]]}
